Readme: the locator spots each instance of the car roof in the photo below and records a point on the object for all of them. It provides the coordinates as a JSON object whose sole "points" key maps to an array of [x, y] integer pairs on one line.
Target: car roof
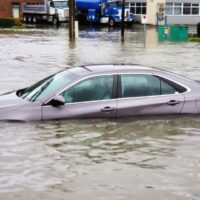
{"points": [[114, 67], [108, 68]]}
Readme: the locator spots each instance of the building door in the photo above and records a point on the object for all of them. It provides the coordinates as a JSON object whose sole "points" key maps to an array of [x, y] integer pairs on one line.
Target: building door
{"points": [[15, 10]]}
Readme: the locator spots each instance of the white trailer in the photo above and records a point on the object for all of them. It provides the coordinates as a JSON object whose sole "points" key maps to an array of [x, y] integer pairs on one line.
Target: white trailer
{"points": [[54, 11]]}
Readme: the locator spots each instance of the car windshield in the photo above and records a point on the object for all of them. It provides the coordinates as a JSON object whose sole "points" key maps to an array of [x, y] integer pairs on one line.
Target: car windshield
{"points": [[46, 86], [60, 4], [115, 3]]}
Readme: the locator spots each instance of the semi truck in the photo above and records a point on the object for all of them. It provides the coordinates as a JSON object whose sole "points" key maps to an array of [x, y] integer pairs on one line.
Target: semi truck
{"points": [[102, 11], [54, 11]]}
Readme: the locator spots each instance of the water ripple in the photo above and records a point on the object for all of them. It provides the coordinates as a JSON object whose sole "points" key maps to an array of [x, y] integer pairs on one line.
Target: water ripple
{"points": [[140, 158]]}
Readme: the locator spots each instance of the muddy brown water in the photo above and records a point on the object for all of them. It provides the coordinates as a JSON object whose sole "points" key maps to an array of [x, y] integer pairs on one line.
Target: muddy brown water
{"points": [[144, 158]]}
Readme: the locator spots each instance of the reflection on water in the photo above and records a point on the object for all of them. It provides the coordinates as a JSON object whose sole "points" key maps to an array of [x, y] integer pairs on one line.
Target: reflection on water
{"points": [[136, 158]]}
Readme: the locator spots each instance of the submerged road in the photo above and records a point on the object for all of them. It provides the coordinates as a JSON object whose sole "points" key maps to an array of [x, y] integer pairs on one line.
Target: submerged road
{"points": [[136, 158]]}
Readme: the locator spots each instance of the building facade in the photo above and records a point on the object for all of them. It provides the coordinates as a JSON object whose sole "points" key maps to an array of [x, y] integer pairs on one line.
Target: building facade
{"points": [[13, 8], [157, 11], [174, 11]]}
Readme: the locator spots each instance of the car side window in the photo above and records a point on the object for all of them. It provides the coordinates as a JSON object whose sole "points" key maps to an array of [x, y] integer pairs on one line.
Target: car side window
{"points": [[91, 89], [166, 88], [137, 85]]}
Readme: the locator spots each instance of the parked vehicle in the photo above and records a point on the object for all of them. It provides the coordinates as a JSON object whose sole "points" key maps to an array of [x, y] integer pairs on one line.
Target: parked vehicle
{"points": [[102, 91], [54, 11], [102, 11]]}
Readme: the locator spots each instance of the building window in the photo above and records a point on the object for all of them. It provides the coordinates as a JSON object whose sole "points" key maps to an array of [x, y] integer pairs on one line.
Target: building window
{"points": [[177, 9], [144, 8], [187, 8], [182, 9], [137, 8], [195, 9], [169, 8]]}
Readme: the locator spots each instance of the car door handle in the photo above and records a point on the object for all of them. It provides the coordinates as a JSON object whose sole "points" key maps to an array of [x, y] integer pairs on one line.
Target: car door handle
{"points": [[107, 109], [173, 103]]}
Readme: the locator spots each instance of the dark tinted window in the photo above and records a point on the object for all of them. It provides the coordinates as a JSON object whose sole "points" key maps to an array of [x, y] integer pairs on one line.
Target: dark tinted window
{"points": [[139, 85], [95, 88], [114, 4], [136, 85], [166, 88], [60, 4]]}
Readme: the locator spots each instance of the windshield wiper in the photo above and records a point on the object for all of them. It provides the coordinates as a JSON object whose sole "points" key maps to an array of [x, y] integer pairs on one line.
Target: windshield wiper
{"points": [[34, 97]]}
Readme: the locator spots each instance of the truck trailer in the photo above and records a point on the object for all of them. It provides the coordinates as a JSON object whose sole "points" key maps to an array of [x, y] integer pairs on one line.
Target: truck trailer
{"points": [[54, 11], [102, 11]]}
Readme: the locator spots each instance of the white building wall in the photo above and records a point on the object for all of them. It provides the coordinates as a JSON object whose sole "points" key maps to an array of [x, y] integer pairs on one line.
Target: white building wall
{"points": [[171, 18], [182, 12]]}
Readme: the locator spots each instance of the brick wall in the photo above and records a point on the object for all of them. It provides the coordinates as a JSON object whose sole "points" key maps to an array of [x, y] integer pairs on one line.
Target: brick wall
{"points": [[6, 6]]}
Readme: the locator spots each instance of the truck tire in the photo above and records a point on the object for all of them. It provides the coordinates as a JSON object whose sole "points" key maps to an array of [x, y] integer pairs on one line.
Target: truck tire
{"points": [[25, 18], [111, 22], [29, 18], [34, 19], [130, 23], [55, 20]]}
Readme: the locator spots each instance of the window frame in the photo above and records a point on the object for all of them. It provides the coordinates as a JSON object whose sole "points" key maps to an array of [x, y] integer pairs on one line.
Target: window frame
{"points": [[161, 77], [187, 7], [114, 89], [195, 6], [183, 6], [117, 87], [138, 8], [176, 7]]}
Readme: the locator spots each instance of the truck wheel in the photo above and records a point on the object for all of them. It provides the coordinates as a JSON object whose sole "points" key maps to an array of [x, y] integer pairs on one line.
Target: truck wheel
{"points": [[34, 19], [55, 20], [111, 22], [25, 18], [29, 18], [130, 23]]}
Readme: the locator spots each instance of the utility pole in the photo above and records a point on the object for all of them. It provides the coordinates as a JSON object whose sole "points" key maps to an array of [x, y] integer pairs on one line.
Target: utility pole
{"points": [[122, 23], [71, 19]]}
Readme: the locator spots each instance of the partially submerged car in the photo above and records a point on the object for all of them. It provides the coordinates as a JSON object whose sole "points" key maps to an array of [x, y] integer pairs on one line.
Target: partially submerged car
{"points": [[101, 91]]}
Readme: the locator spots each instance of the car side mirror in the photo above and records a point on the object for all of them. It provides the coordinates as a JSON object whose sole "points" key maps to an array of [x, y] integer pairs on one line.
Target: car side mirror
{"points": [[58, 101]]}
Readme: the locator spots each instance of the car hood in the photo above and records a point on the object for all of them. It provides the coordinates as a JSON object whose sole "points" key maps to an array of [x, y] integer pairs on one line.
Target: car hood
{"points": [[11, 99]]}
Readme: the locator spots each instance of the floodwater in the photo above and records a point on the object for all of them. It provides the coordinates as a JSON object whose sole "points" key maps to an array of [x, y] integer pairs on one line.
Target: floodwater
{"points": [[144, 158]]}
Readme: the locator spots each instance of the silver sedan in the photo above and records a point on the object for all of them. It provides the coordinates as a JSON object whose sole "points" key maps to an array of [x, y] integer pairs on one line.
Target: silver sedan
{"points": [[101, 91]]}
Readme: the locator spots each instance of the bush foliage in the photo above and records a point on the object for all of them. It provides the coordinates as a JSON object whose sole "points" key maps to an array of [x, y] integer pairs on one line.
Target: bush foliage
{"points": [[7, 22], [195, 39]]}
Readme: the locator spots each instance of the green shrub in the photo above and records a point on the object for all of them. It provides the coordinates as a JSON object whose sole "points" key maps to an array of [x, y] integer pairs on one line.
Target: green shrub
{"points": [[198, 29], [195, 39], [7, 22]]}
